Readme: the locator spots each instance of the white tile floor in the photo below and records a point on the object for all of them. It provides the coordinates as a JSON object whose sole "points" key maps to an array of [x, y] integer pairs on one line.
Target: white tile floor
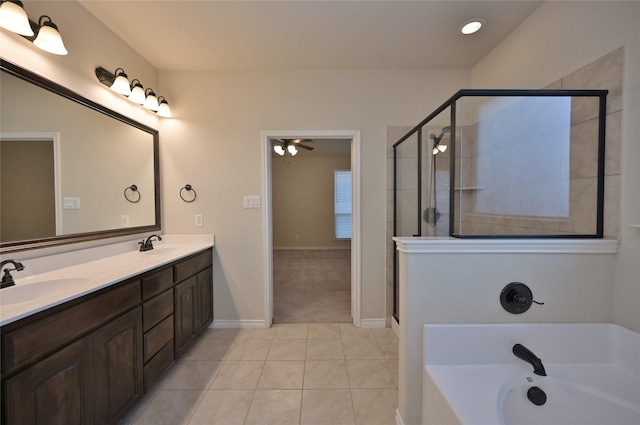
{"points": [[304, 374]]}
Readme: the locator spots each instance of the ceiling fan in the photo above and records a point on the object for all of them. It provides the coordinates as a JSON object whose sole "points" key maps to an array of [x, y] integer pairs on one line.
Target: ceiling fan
{"points": [[290, 145]]}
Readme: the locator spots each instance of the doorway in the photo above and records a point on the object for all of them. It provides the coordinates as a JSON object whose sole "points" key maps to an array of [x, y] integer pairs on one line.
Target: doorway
{"points": [[352, 137]]}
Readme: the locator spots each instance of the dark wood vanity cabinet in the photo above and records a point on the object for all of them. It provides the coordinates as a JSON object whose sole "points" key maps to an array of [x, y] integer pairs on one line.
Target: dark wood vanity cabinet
{"points": [[90, 360], [193, 300]]}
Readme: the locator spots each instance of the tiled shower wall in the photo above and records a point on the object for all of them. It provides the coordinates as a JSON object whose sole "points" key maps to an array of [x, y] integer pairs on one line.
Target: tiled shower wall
{"points": [[604, 73], [529, 217]]}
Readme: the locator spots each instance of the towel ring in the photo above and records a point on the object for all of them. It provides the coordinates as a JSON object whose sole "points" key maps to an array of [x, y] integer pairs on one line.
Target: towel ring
{"points": [[188, 188], [133, 188]]}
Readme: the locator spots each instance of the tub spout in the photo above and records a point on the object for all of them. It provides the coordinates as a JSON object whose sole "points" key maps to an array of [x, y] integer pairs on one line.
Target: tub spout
{"points": [[525, 354]]}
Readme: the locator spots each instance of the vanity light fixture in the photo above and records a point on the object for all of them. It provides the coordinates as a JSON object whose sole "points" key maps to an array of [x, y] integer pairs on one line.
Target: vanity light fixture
{"points": [[45, 34], [472, 26], [163, 108], [48, 38], [137, 92], [14, 18], [119, 82], [151, 102]]}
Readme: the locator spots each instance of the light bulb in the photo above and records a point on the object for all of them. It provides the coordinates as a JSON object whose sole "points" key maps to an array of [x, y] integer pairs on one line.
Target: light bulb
{"points": [[14, 18], [49, 39], [151, 102], [121, 83], [292, 150], [137, 93], [279, 150], [163, 108]]}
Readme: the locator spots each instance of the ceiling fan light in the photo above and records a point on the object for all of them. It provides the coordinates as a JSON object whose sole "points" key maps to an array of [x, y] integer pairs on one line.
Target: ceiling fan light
{"points": [[121, 83], [49, 38], [278, 149], [442, 148], [435, 150], [137, 93], [292, 150], [14, 18]]}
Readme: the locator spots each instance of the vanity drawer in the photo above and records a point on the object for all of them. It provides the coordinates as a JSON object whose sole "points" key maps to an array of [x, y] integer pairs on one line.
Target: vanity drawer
{"points": [[156, 309], [157, 338], [193, 265], [156, 283], [28, 343], [157, 365]]}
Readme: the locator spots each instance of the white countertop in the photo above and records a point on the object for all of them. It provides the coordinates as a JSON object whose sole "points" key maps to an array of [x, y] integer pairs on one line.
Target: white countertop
{"points": [[76, 280]]}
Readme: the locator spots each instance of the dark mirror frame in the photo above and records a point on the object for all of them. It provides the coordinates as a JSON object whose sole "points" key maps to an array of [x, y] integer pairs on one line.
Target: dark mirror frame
{"points": [[56, 88]]}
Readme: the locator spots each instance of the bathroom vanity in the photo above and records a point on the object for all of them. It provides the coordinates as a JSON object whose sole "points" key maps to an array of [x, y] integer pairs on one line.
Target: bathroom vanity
{"points": [[90, 359]]}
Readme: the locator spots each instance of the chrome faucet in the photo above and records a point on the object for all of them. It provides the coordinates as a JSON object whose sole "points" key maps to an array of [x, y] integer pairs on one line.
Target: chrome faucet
{"points": [[525, 354], [7, 279], [147, 244]]}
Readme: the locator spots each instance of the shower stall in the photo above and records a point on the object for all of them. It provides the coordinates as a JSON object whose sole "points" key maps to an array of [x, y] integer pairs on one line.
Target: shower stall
{"points": [[503, 164]]}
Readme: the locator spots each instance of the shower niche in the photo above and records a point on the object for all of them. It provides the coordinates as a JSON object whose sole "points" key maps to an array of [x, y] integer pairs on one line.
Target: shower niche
{"points": [[504, 164]]}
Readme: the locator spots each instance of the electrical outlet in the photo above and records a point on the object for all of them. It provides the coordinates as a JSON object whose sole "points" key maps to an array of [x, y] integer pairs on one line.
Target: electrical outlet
{"points": [[199, 220]]}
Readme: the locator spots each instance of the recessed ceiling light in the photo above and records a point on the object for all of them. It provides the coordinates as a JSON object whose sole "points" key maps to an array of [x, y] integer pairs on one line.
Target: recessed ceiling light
{"points": [[472, 25]]}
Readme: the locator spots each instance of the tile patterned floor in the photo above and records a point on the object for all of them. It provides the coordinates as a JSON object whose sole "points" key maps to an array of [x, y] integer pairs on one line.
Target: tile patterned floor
{"points": [[289, 374]]}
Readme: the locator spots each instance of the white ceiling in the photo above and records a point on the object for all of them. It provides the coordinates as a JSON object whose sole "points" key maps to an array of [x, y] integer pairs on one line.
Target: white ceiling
{"points": [[216, 35]]}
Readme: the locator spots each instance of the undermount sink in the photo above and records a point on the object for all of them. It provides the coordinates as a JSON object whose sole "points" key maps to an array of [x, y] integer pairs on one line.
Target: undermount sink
{"points": [[161, 251], [25, 292]]}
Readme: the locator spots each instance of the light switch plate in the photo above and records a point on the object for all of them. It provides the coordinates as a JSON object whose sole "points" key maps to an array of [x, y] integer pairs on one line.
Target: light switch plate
{"points": [[71, 203], [252, 202], [199, 220]]}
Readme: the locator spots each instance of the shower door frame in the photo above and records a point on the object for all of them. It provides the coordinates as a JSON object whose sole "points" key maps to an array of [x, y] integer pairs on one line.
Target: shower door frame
{"points": [[451, 103]]}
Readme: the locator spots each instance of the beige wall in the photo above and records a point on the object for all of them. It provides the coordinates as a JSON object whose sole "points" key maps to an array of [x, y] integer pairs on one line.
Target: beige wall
{"points": [[302, 194], [557, 39], [214, 143], [90, 44]]}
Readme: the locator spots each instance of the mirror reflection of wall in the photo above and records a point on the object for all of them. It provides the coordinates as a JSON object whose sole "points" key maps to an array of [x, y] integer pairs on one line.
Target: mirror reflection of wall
{"points": [[97, 158], [27, 189]]}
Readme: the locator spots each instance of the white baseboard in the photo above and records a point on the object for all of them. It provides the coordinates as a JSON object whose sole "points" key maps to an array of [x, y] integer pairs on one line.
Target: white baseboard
{"points": [[398, 418], [300, 248], [373, 323], [395, 326], [225, 324]]}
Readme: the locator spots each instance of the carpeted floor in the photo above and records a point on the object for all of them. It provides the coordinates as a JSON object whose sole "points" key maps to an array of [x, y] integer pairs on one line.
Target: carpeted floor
{"points": [[312, 286]]}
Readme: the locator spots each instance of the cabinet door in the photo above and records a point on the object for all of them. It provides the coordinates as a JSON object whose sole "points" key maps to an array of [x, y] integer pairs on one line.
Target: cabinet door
{"points": [[117, 362], [55, 391], [205, 293], [186, 314]]}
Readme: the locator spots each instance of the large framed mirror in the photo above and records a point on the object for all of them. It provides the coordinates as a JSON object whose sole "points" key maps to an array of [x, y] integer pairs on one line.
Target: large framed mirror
{"points": [[71, 169]]}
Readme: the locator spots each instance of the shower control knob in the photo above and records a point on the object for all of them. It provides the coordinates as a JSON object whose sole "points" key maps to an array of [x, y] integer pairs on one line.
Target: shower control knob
{"points": [[517, 298]]}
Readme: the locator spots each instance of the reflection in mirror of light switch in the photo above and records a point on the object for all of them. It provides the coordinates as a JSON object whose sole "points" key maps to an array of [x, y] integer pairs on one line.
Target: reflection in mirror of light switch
{"points": [[71, 203]]}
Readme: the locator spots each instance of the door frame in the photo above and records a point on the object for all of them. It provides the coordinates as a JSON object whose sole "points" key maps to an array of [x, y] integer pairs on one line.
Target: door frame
{"points": [[54, 138], [267, 226]]}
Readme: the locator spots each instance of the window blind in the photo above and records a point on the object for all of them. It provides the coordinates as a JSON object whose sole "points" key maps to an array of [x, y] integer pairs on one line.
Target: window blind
{"points": [[342, 203]]}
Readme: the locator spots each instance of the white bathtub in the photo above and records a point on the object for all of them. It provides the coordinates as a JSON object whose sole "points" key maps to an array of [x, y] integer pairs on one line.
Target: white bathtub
{"points": [[472, 377]]}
